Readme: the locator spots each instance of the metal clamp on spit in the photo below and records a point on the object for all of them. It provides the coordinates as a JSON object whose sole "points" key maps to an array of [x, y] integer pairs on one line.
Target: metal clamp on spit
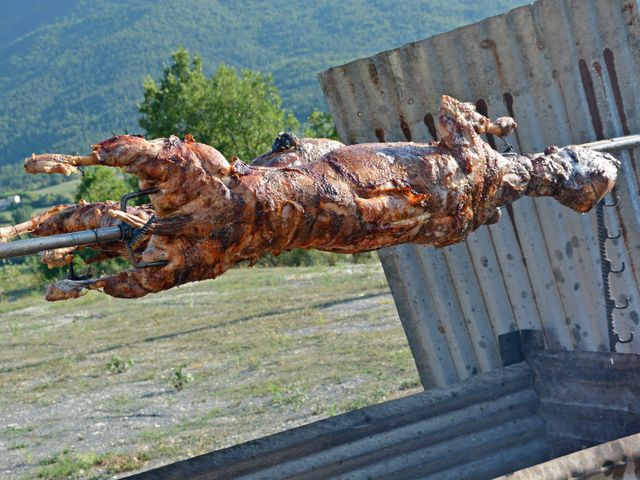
{"points": [[132, 236]]}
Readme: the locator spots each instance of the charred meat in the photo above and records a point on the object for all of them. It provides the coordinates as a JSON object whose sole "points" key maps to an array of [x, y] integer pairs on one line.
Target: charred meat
{"points": [[312, 193]]}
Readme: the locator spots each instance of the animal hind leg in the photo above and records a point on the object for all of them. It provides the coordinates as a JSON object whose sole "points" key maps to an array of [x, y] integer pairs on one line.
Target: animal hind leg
{"points": [[458, 120], [73, 218], [30, 225], [132, 283], [134, 154], [63, 219]]}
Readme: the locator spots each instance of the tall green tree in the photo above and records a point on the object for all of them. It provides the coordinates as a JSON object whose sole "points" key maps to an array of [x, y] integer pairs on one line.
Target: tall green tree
{"points": [[239, 113], [22, 213], [320, 124], [103, 183], [174, 107]]}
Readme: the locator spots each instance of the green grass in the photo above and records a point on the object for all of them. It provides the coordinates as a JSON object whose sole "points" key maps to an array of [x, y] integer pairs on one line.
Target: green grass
{"points": [[66, 466], [119, 365], [18, 281], [66, 188], [15, 430], [265, 348]]}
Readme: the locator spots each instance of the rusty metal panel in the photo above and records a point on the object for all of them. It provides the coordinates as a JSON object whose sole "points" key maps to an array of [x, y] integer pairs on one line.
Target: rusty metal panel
{"points": [[487, 426], [568, 71]]}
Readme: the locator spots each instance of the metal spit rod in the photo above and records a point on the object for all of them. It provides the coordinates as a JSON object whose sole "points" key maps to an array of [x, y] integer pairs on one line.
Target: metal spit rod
{"points": [[38, 244], [615, 144]]}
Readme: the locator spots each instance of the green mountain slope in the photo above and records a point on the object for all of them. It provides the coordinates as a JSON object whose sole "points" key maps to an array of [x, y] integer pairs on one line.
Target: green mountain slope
{"points": [[71, 71]]}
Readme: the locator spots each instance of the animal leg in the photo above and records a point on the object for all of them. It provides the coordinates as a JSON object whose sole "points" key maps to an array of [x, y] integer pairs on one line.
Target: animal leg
{"points": [[30, 225], [72, 218], [151, 160], [459, 122], [133, 154], [123, 284], [132, 283]]}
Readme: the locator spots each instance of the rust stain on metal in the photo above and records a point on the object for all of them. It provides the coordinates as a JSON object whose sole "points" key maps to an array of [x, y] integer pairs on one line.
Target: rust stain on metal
{"points": [[629, 10], [517, 234], [590, 94], [556, 77], [489, 44], [405, 128], [373, 74], [483, 109], [610, 63], [430, 122], [598, 68], [508, 103]]}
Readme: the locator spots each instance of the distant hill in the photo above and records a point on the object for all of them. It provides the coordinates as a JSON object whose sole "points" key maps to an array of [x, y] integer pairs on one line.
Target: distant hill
{"points": [[71, 71]]}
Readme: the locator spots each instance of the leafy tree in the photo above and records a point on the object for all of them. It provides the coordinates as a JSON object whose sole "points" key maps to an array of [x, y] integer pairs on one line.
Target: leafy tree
{"points": [[320, 125], [102, 183], [175, 106], [238, 113], [22, 213], [14, 180]]}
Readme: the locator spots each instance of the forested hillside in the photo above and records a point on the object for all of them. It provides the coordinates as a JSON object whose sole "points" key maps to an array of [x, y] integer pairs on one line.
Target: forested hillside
{"points": [[71, 71]]}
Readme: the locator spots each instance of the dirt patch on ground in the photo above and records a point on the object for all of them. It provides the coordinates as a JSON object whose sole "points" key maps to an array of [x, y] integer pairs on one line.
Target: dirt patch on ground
{"points": [[255, 352]]}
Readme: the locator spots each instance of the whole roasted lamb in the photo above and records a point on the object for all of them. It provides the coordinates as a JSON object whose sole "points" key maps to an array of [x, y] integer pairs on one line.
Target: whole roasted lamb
{"points": [[209, 214]]}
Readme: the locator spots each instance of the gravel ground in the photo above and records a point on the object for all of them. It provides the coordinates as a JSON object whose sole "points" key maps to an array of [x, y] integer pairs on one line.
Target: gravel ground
{"points": [[253, 367]]}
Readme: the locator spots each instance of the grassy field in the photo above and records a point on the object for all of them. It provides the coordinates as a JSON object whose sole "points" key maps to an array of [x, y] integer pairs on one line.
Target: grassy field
{"points": [[66, 188], [97, 387]]}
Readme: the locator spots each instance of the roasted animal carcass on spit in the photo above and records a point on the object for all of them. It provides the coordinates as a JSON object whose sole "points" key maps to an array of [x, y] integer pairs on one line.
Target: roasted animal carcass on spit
{"points": [[209, 214]]}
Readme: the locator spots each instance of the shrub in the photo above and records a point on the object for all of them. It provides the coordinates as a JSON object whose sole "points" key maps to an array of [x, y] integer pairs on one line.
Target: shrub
{"points": [[179, 378], [119, 365]]}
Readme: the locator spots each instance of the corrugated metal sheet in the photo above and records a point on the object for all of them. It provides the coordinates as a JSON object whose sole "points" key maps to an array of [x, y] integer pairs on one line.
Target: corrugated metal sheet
{"points": [[616, 460], [487, 426], [568, 71], [587, 398]]}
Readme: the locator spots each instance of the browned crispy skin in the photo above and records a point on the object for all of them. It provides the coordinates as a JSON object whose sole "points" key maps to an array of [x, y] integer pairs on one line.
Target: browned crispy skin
{"points": [[299, 152], [212, 215], [84, 216]]}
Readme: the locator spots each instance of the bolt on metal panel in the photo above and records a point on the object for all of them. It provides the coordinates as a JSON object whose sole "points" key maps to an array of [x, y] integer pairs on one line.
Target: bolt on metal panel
{"points": [[568, 71]]}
